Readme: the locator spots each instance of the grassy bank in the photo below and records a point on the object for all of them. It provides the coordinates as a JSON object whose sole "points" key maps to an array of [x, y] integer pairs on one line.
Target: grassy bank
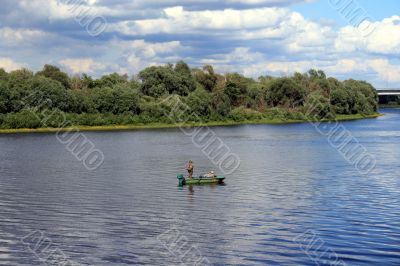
{"points": [[389, 106], [165, 125]]}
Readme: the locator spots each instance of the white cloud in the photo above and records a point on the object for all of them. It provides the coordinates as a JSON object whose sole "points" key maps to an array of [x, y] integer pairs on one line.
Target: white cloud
{"points": [[384, 39], [387, 72], [277, 67], [290, 30], [386, 36], [11, 37], [178, 20], [250, 36], [67, 9], [240, 55], [381, 68], [139, 54], [9, 65], [149, 50], [81, 65], [133, 57]]}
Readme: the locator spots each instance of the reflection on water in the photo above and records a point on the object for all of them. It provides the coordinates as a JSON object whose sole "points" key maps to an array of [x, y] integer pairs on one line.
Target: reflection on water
{"points": [[290, 181]]}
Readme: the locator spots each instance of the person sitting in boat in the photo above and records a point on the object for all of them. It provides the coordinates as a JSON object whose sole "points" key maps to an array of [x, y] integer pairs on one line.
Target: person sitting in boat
{"points": [[210, 174], [190, 168]]}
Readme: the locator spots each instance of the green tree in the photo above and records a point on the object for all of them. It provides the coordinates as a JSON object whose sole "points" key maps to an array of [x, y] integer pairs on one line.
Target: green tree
{"points": [[365, 89], [255, 96], [221, 104], [316, 74], [81, 101], [317, 106], [111, 80], [117, 100], [55, 73], [341, 101], [19, 84], [199, 102], [160, 80], [206, 77], [47, 93], [236, 88], [3, 74], [182, 70], [5, 96], [76, 82], [88, 82], [285, 92]]}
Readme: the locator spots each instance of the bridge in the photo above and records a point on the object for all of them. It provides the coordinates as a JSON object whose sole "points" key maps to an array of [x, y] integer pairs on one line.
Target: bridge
{"points": [[387, 96]]}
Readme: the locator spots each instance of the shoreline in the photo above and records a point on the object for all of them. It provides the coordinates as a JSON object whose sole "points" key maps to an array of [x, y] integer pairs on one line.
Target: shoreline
{"points": [[389, 106], [194, 124]]}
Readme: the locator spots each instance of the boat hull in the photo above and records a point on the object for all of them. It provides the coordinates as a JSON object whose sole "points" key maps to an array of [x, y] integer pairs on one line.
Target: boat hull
{"points": [[200, 180]]}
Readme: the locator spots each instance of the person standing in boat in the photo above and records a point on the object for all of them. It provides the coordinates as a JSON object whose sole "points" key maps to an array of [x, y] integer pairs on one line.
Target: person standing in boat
{"points": [[190, 168]]}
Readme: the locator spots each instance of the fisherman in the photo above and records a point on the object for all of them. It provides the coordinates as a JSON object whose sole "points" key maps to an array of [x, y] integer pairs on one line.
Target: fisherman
{"points": [[190, 168], [210, 174]]}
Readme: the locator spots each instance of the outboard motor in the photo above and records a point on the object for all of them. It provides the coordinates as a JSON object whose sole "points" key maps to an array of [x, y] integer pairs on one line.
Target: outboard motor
{"points": [[181, 179]]}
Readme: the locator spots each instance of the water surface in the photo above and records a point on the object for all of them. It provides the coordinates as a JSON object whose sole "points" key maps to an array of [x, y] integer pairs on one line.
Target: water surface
{"points": [[290, 181]]}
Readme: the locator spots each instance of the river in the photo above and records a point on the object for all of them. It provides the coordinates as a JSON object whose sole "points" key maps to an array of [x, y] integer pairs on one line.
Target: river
{"points": [[294, 200]]}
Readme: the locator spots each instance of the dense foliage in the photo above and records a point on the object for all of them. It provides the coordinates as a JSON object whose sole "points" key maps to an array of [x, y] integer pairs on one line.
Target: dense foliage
{"points": [[50, 97]]}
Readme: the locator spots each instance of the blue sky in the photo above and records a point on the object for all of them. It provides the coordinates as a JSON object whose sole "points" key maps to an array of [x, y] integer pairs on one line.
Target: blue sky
{"points": [[322, 10], [252, 37]]}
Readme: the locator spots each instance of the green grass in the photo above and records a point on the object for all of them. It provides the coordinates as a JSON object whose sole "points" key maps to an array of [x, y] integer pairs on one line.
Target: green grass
{"points": [[357, 117], [165, 125], [389, 105]]}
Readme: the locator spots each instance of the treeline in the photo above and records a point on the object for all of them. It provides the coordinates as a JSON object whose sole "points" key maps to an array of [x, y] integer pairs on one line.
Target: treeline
{"points": [[116, 99]]}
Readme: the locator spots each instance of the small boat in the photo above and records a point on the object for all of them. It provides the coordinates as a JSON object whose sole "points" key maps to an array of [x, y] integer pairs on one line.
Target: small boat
{"points": [[201, 180]]}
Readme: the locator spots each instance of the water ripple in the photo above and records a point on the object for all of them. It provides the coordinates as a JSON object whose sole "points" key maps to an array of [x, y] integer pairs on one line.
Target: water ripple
{"points": [[290, 181]]}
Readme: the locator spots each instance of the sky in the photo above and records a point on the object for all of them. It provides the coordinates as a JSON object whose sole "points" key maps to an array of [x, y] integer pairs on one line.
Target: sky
{"points": [[357, 39]]}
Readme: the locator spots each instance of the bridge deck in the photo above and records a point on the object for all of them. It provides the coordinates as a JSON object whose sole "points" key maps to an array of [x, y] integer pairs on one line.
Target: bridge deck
{"points": [[388, 92]]}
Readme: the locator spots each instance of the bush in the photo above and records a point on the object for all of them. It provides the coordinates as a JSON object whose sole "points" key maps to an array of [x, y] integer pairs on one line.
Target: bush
{"points": [[341, 101], [318, 107], [243, 114], [80, 101], [160, 80], [199, 102], [54, 73], [117, 100], [24, 119], [285, 92], [221, 104]]}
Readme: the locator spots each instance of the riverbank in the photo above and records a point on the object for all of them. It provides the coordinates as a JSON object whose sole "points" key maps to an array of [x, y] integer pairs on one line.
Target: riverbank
{"points": [[165, 125], [389, 106]]}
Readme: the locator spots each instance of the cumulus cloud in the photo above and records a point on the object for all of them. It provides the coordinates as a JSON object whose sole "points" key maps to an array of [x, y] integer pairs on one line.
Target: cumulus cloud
{"points": [[386, 71], [177, 20], [240, 55], [9, 64], [81, 65], [148, 49], [279, 25], [12, 37], [201, 4], [254, 37], [139, 53], [66, 9], [384, 39]]}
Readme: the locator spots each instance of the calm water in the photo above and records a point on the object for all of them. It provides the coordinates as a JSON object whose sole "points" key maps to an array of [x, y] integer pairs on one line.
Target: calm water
{"points": [[290, 181]]}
